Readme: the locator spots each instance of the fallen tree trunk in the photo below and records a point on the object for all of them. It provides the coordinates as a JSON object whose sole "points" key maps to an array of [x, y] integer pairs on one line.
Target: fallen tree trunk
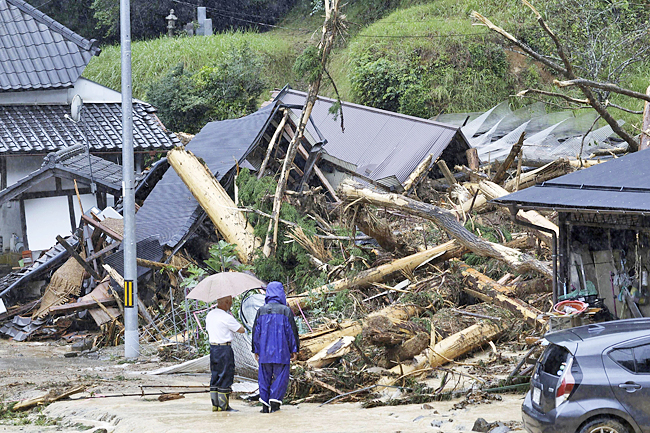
{"points": [[314, 342], [417, 174], [445, 252], [492, 191], [216, 202], [447, 350], [546, 172], [486, 289], [519, 261]]}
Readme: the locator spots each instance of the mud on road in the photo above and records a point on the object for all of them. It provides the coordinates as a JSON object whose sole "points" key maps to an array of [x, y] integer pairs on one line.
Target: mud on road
{"points": [[31, 369]]}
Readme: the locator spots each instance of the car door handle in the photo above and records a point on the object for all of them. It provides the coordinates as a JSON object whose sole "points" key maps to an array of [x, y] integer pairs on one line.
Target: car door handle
{"points": [[629, 386]]}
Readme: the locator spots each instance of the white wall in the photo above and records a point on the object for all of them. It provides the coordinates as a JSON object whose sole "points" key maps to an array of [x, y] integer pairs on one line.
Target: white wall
{"points": [[48, 217], [20, 166]]}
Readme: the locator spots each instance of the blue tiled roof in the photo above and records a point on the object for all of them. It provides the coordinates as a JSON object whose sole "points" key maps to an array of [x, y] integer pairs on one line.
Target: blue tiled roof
{"points": [[37, 52]]}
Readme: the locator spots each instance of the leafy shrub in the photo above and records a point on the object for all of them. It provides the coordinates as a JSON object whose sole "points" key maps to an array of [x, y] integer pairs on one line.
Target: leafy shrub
{"points": [[187, 101]]}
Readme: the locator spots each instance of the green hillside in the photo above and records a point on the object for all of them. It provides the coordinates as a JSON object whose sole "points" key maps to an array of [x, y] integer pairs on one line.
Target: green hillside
{"points": [[420, 58]]}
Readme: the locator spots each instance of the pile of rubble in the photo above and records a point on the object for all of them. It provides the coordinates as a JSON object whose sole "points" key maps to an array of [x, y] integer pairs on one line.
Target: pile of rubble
{"points": [[391, 289]]}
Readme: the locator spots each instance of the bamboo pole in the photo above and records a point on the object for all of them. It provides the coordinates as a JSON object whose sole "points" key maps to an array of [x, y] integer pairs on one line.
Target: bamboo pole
{"points": [[216, 202]]}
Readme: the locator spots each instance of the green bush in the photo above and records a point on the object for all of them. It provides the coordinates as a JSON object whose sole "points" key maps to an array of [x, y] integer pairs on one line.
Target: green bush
{"points": [[229, 89]]}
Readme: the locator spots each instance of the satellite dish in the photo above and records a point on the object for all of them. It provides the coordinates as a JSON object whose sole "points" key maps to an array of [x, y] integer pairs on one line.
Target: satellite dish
{"points": [[75, 108]]}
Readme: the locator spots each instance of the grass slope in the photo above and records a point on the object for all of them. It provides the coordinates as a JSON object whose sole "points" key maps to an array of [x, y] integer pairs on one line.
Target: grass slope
{"points": [[438, 34]]}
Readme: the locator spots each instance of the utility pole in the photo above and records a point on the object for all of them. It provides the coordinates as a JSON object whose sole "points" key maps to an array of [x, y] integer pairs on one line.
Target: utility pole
{"points": [[131, 337]]}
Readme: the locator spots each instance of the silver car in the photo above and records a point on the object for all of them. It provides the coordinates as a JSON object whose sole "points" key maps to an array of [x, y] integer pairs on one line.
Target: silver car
{"points": [[592, 379]]}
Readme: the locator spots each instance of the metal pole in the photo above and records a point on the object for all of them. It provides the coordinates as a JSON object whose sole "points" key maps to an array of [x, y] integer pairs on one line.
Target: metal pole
{"points": [[131, 338]]}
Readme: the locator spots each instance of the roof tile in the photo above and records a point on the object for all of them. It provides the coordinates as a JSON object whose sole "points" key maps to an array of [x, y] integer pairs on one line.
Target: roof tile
{"points": [[33, 128], [34, 42]]}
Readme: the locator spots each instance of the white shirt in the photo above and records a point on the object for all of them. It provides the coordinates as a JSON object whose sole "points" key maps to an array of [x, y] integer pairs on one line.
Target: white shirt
{"points": [[220, 326]]}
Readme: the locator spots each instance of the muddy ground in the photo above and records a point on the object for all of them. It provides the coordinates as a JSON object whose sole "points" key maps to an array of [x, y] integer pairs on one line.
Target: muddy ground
{"points": [[31, 369]]}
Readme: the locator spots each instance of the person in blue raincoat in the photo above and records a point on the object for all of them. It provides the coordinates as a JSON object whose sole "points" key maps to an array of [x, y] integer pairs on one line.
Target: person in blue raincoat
{"points": [[275, 345]]}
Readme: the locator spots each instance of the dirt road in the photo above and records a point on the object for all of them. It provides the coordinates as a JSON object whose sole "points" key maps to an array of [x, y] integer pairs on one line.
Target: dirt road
{"points": [[30, 369]]}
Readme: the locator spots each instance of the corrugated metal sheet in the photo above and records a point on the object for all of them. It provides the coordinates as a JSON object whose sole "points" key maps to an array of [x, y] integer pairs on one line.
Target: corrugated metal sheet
{"points": [[36, 52], [620, 184], [170, 210], [380, 143], [44, 128]]}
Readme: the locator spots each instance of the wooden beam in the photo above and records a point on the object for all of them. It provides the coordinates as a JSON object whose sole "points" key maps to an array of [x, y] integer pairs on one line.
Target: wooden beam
{"points": [[23, 224], [472, 159], [78, 258], [73, 220], [103, 228], [420, 171], [442, 165], [83, 305], [103, 251]]}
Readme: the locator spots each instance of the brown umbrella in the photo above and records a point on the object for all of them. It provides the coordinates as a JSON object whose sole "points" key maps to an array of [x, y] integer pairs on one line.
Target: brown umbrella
{"points": [[224, 284]]}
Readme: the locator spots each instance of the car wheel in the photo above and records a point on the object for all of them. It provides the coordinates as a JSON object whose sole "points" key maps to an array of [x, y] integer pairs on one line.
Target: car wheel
{"points": [[604, 425]]}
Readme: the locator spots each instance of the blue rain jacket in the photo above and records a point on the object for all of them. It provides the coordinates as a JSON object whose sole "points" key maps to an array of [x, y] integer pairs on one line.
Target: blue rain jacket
{"points": [[275, 335]]}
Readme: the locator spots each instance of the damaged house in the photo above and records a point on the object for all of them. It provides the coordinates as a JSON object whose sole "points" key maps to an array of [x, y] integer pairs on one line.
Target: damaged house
{"points": [[604, 231], [40, 77]]}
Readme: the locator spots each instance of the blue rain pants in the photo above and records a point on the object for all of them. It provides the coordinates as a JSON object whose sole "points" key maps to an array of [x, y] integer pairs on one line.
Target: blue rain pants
{"points": [[273, 380]]}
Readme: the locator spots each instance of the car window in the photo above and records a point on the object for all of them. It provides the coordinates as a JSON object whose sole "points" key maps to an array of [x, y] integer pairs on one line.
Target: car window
{"points": [[624, 358], [642, 358], [553, 359]]}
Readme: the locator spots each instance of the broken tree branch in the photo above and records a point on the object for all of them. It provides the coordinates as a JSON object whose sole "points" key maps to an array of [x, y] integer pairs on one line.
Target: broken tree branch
{"points": [[609, 87], [325, 46]]}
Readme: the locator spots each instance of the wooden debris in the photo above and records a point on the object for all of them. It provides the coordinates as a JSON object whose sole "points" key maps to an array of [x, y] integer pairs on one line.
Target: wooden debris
{"points": [[501, 173], [492, 190], [488, 290], [449, 177], [546, 172], [216, 202], [310, 344], [472, 158], [170, 396], [519, 261], [331, 352], [50, 397], [416, 176], [446, 250]]}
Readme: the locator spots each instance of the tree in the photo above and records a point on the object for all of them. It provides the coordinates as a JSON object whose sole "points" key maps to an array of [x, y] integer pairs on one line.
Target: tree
{"points": [[599, 41]]}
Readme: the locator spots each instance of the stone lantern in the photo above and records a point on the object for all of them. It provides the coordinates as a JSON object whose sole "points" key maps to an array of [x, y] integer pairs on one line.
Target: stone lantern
{"points": [[171, 22]]}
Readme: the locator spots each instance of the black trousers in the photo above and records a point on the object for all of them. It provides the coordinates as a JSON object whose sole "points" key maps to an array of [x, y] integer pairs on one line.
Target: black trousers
{"points": [[222, 367]]}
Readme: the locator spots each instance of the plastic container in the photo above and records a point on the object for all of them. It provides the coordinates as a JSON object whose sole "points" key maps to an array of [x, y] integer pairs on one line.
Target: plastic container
{"points": [[572, 307]]}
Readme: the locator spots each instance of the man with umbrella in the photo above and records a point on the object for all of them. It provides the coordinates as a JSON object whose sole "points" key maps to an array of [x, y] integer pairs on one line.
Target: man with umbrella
{"points": [[275, 344], [221, 327]]}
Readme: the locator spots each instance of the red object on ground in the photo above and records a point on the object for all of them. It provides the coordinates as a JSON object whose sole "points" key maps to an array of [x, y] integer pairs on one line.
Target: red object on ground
{"points": [[578, 305]]}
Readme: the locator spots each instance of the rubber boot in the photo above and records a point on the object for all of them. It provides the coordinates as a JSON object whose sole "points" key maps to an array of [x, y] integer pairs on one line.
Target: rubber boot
{"points": [[215, 401], [265, 406], [223, 402], [275, 406]]}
